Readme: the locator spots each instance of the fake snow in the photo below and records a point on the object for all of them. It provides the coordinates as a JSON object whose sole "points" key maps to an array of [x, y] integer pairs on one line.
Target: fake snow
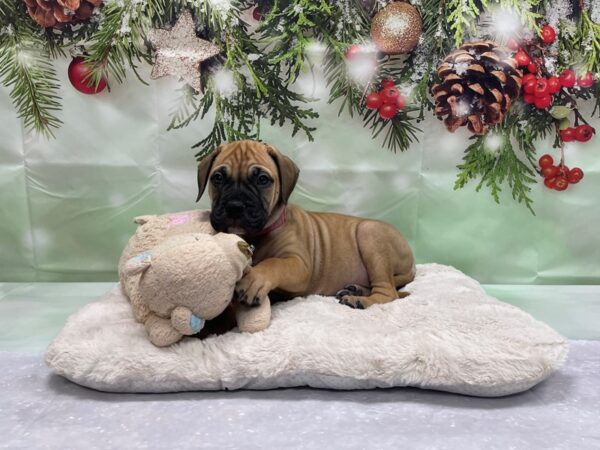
{"points": [[461, 68]]}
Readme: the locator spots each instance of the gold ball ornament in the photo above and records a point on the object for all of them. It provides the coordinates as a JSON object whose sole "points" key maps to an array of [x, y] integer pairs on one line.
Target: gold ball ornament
{"points": [[396, 28]]}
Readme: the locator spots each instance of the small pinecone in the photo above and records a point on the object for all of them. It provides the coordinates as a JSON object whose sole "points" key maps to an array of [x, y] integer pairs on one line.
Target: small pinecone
{"points": [[56, 13], [479, 82]]}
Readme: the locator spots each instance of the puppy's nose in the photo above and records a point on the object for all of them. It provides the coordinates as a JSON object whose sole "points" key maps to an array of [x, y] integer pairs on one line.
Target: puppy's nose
{"points": [[234, 208]]}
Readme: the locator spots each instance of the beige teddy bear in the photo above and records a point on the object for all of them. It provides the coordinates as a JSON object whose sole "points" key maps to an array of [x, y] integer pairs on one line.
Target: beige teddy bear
{"points": [[185, 280], [153, 229]]}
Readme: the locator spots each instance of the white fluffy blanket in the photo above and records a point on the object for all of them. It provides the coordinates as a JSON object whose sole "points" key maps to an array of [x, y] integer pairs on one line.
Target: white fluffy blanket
{"points": [[447, 335]]}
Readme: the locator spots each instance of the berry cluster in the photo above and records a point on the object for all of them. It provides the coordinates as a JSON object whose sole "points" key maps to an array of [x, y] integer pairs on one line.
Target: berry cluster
{"points": [[538, 90], [558, 177], [581, 133], [388, 100], [542, 89]]}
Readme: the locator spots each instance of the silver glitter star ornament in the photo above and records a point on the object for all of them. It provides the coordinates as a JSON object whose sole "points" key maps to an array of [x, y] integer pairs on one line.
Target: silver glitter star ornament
{"points": [[179, 51]]}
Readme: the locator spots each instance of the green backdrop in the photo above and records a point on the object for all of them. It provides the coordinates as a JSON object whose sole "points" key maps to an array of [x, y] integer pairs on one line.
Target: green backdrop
{"points": [[66, 205]]}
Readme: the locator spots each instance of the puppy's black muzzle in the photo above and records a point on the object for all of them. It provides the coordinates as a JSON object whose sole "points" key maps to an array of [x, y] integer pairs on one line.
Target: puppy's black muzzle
{"points": [[239, 209], [234, 209]]}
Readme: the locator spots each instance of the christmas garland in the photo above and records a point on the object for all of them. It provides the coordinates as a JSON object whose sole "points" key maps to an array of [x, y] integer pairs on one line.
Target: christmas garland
{"points": [[510, 71]]}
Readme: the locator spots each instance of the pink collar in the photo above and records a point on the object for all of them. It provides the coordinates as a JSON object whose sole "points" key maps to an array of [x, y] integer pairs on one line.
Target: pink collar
{"points": [[275, 225]]}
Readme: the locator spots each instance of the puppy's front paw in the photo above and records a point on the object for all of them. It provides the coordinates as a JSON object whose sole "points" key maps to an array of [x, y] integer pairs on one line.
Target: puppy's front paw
{"points": [[253, 288]]}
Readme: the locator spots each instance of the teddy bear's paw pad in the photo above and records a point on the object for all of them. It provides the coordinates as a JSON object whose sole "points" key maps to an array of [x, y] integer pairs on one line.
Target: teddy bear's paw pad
{"points": [[196, 323]]}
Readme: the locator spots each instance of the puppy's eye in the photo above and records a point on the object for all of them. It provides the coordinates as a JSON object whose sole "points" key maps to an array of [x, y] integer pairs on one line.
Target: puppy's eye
{"points": [[263, 180], [217, 178]]}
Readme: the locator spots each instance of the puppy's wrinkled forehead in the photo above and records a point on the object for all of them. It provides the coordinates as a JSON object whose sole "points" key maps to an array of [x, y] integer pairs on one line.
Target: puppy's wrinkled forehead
{"points": [[240, 158]]}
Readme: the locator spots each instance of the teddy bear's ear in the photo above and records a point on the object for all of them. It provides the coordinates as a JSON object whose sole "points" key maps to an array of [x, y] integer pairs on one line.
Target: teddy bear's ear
{"points": [[138, 264]]}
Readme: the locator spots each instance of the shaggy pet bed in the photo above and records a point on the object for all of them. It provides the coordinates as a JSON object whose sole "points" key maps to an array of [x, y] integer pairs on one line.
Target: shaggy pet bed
{"points": [[447, 335]]}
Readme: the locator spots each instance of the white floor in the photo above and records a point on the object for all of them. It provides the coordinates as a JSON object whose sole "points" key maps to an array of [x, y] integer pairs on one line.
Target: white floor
{"points": [[41, 410]]}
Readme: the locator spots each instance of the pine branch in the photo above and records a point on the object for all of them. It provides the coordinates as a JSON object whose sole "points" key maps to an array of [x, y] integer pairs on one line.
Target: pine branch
{"points": [[589, 42], [26, 68], [118, 43], [461, 16], [496, 166], [398, 133], [340, 86]]}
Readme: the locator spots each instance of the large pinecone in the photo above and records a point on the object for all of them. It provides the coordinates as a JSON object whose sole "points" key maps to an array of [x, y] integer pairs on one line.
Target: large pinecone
{"points": [[479, 82], [55, 13]]}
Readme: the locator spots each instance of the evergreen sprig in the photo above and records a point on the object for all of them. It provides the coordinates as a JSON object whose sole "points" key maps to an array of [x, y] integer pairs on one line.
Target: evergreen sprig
{"points": [[589, 33], [494, 161], [26, 68], [260, 89], [119, 43]]}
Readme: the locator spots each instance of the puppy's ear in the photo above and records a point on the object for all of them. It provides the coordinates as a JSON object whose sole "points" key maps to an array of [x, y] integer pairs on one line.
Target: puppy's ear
{"points": [[204, 171], [288, 172]]}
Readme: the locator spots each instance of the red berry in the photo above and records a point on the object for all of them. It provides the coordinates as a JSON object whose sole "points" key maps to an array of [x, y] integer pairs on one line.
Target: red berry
{"points": [[400, 102], [550, 172], [548, 34], [388, 111], [522, 58], [586, 81], [546, 161], [567, 78], [527, 77], [561, 183], [529, 86], [529, 99], [353, 51], [575, 175], [567, 135], [532, 67], [388, 84], [543, 102], [512, 44], [583, 133], [553, 85], [374, 100], [390, 95], [541, 87], [549, 182], [563, 171]]}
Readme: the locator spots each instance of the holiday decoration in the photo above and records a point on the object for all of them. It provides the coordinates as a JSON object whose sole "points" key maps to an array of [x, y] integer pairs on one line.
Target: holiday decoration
{"points": [[396, 28], [548, 34], [388, 101], [56, 13], [364, 48], [256, 13], [179, 52], [479, 83], [586, 80], [80, 77], [353, 52], [558, 177]]}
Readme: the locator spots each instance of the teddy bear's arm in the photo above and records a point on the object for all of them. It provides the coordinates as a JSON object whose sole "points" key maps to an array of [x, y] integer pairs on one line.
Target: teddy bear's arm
{"points": [[160, 331]]}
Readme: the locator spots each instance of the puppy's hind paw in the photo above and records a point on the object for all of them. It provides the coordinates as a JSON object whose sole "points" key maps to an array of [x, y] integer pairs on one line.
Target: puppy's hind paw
{"points": [[352, 301], [350, 290]]}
